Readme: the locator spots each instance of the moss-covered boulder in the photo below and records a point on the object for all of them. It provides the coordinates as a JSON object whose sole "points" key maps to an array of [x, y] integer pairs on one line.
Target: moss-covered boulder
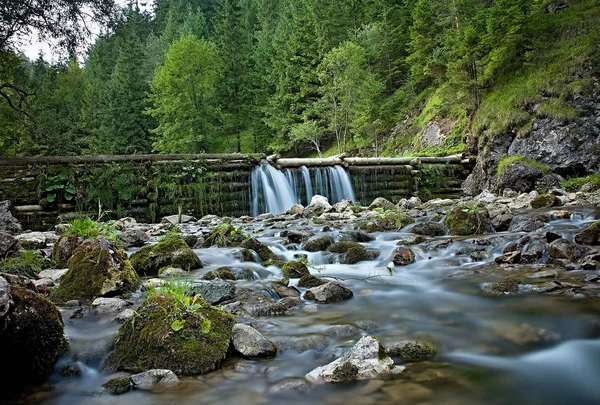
{"points": [[224, 273], [225, 235], [261, 250], [294, 269], [170, 252], [468, 220], [390, 220], [32, 335], [166, 334], [318, 243], [353, 252], [545, 201], [63, 249], [97, 268], [309, 281], [590, 235]]}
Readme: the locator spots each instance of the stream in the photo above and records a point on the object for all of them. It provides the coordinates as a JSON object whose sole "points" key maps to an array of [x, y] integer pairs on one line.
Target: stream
{"points": [[531, 347]]}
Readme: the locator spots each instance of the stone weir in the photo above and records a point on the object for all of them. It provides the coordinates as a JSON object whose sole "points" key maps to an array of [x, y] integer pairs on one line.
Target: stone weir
{"points": [[45, 190]]}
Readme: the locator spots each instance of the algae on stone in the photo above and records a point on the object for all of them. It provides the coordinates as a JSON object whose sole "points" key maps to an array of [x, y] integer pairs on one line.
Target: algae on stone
{"points": [[468, 220], [294, 269], [150, 341], [171, 252]]}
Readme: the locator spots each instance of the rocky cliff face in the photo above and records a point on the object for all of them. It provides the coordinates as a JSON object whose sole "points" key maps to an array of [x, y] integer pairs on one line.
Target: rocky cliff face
{"points": [[567, 148]]}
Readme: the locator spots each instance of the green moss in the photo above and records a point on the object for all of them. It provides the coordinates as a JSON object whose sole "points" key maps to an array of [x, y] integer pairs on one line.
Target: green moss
{"points": [[28, 263], [343, 247], [508, 160], [294, 269], [263, 251], [64, 248], [467, 220], [309, 281], [544, 201], [149, 341], [172, 252], [278, 263], [225, 235], [576, 183], [224, 273], [118, 385], [558, 110], [96, 269]]}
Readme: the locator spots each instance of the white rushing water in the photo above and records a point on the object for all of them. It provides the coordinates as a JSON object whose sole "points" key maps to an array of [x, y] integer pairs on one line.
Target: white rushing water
{"points": [[275, 191]]}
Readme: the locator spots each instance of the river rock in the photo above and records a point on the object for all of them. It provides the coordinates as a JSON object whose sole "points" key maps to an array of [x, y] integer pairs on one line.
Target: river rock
{"points": [[151, 379], [352, 252], [509, 258], [8, 223], [468, 220], [63, 249], [429, 228], [590, 235], [170, 272], [383, 204], [32, 334], [293, 385], [123, 316], [402, 256], [533, 251], [407, 393], [133, 237], [118, 385], [178, 219], [502, 287], [294, 269], [171, 252], [261, 250], [343, 205], [224, 235], [151, 343], [8, 244], [53, 274], [500, 216], [103, 305], [328, 293], [519, 177], [251, 343], [224, 273], [522, 223], [97, 268], [411, 351], [545, 201], [32, 240], [564, 249], [362, 362], [318, 205], [214, 292], [309, 281], [356, 236], [318, 243], [297, 236]]}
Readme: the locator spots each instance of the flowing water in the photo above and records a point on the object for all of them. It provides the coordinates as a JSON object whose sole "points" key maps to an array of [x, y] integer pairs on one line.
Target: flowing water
{"points": [[524, 349], [275, 191]]}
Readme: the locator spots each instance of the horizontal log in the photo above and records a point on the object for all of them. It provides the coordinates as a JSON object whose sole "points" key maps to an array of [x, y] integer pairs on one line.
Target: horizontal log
{"points": [[29, 208], [441, 159], [358, 161], [309, 162]]}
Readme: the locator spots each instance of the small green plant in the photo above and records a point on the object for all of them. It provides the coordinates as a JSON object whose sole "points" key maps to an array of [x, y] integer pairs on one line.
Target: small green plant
{"points": [[29, 263], [89, 229], [57, 185], [576, 183]]}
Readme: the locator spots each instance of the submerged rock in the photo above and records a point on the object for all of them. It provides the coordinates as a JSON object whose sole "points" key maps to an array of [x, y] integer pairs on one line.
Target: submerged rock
{"points": [[411, 351], [402, 256], [261, 250], [171, 252], [31, 334], [97, 268], [294, 269], [151, 379], [194, 345], [251, 343], [502, 287], [328, 293], [365, 360], [590, 235]]}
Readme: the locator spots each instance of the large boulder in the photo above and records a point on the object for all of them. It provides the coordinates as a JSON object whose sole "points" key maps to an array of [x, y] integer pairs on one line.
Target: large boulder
{"points": [[318, 243], [352, 252], [167, 334], [382, 203], [133, 237], [519, 177], [468, 220], [367, 359], [563, 249], [318, 205], [590, 235], [31, 334], [170, 252], [294, 269], [8, 223], [97, 268], [261, 250], [251, 343], [63, 249], [32, 240], [429, 228]]}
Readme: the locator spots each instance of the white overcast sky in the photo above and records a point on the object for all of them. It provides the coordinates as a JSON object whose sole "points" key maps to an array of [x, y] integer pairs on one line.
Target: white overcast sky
{"points": [[32, 47]]}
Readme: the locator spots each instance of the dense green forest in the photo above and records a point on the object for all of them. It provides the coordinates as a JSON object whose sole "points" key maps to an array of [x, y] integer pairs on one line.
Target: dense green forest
{"points": [[301, 77]]}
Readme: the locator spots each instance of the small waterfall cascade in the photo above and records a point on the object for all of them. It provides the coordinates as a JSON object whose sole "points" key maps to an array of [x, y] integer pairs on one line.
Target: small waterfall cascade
{"points": [[275, 191]]}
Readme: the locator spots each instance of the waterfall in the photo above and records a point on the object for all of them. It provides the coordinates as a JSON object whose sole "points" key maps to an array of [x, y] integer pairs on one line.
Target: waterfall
{"points": [[275, 191]]}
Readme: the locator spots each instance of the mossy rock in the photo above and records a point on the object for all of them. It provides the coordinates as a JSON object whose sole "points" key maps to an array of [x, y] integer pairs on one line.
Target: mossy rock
{"points": [[118, 385], [545, 201], [318, 243], [224, 273], [355, 255], [590, 235], [97, 268], [225, 235], [278, 263], [150, 342], [294, 269], [32, 334], [262, 250], [309, 281], [386, 221], [171, 252], [63, 249], [468, 220], [343, 247]]}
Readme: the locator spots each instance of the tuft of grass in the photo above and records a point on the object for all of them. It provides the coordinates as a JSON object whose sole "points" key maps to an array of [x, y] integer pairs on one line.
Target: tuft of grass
{"points": [[89, 229], [28, 263], [507, 161], [576, 183], [557, 109]]}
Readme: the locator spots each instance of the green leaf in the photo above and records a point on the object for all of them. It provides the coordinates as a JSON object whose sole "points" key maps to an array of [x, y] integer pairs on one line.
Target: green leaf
{"points": [[177, 325], [51, 197], [206, 326]]}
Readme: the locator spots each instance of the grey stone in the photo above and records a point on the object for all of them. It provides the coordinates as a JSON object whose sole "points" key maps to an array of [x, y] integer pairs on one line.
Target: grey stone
{"points": [[123, 316], [382, 203], [318, 243], [411, 351], [149, 380], [53, 274], [214, 292], [133, 237], [429, 228], [178, 219], [521, 223], [328, 293], [104, 305], [171, 272], [251, 343], [8, 223], [7, 243], [362, 362], [32, 240], [5, 297]]}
